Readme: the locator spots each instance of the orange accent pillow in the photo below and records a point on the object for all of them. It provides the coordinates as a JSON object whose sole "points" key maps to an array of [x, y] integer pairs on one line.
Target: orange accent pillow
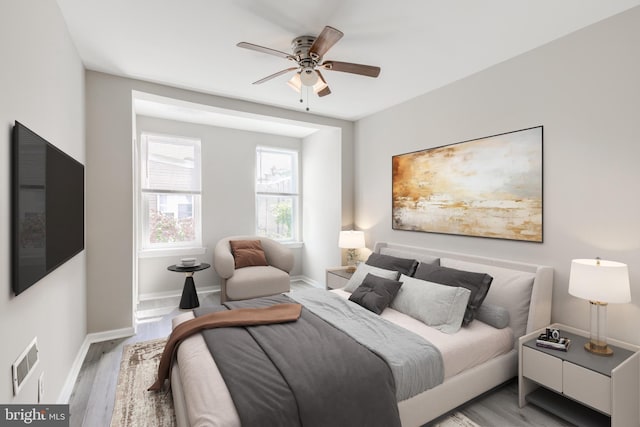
{"points": [[247, 253]]}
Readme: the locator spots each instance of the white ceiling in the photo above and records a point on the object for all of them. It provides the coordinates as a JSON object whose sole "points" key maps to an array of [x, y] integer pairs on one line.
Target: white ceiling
{"points": [[419, 44]]}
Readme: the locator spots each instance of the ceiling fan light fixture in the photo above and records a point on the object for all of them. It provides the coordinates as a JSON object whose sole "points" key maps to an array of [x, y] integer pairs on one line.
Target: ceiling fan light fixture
{"points": [[308, 76], [319, 86], [296, 84]]}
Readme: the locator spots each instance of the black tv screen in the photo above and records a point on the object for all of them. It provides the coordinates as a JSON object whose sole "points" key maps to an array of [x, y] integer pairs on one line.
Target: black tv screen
{"points": [[47, 208]]}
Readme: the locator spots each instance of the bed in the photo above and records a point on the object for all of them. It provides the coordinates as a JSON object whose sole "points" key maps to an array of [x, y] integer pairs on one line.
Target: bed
{"points": [[471, 366]]}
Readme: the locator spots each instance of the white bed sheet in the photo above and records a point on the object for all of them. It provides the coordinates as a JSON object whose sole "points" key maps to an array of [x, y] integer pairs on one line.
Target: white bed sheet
{"points": [[207, 398], [471, 346]]}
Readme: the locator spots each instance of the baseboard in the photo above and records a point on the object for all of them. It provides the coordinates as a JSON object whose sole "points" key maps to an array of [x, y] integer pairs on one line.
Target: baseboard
{"points": [[309, 281], [67, 388]]}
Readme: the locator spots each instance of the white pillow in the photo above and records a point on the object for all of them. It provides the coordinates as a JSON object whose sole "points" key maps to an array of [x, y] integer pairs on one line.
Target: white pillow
{"points": [[362, 271], [439, 306]]}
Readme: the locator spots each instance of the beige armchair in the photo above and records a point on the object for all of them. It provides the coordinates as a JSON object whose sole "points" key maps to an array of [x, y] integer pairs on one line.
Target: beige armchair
{"points": [[254, 281]]}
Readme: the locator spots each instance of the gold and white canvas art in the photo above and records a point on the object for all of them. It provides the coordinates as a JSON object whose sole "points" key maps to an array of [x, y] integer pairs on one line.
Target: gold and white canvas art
{"points": [[487, 187]]}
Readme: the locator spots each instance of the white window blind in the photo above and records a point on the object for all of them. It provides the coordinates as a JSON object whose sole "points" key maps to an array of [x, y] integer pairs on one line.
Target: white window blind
{"points": [[171, 164]]}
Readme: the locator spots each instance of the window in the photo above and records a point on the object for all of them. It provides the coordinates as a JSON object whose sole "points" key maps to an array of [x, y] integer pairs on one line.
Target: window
{"points": [[277, 194], [170, 192]]}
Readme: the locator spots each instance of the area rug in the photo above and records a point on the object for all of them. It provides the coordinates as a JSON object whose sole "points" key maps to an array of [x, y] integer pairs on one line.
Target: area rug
{"points": [[456, 420], [134, 405]]}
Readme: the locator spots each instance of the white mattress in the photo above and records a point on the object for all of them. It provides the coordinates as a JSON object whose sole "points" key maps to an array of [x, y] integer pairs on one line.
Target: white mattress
{"points": [[208, 402]]}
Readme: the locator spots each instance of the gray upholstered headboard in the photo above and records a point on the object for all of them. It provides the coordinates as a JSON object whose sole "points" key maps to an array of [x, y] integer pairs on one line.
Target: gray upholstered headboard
{"points": [[507, 288]]}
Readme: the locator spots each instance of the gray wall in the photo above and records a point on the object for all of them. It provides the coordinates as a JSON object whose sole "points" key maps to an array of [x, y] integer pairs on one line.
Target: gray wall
{"points": [[585, 90], [42, 86], [110, 273], [228, 197]]}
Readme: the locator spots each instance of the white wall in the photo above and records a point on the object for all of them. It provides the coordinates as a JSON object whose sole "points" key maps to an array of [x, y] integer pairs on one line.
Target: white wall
{"points": [[585, 90], [109, 184], [228, 197], [42, 86], [323, 197]]}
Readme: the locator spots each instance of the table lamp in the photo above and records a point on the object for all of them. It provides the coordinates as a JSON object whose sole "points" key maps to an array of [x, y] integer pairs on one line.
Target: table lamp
{"points": [[351, 241], [600, 282]]}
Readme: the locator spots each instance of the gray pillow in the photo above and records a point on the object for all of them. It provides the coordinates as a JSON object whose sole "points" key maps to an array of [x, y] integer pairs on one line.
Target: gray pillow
{"points": [[420, 257], [402, 265], [362, 271], [439, 306], [493, 315], [477, 283], [510, 289], [375, 293]]}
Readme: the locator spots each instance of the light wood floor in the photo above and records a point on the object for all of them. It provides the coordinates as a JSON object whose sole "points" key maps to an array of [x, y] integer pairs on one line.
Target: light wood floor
{"points": [[92, 400]]}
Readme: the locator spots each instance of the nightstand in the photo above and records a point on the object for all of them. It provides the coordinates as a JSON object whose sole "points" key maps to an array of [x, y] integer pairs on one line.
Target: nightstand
{"points": [[337, 277], [580, 387]]}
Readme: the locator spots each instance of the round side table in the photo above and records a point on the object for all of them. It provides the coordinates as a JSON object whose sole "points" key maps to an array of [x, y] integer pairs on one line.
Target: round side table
{"points": [[189, 296]]}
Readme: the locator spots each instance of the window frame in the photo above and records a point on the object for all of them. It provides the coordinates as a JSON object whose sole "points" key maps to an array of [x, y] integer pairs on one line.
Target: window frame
{"points": [[295, 196], [143, 220]]}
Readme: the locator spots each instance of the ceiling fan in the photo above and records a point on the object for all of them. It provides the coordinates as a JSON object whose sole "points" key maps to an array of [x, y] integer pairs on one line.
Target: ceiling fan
{"points": [[308, 53]]}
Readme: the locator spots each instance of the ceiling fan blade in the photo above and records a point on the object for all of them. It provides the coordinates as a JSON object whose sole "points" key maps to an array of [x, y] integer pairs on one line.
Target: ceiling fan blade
{"points": [[263, 49], [327, 38], [348, 67], [325, 90], [273, 76]]}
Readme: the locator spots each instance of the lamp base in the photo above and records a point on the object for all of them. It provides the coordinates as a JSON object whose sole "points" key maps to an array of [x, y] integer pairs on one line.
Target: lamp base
{"points": [[599, 349], [351, 269]]}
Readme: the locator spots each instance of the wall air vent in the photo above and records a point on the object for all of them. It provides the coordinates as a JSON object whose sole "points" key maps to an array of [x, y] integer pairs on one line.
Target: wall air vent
{"points": [[24, 365]]}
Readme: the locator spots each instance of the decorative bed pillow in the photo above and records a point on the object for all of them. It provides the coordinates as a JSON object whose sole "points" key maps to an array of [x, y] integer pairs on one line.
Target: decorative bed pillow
{"points": [[247, 253], [493, 315], [362, 271], [510, 289], [439, 306], [477, 283], [401, 265], [375, 293], [429, 259]]}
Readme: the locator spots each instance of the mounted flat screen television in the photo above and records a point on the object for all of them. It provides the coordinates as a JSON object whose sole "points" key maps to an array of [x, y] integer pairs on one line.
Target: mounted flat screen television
{"points": [[47, 210]]}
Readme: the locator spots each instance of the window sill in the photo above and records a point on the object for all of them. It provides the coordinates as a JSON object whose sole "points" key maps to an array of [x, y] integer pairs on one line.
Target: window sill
{"points": [[167, 252], [293, 245]]}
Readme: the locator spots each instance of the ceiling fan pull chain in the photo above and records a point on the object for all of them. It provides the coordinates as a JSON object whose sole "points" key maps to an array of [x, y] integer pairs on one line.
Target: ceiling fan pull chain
{"points": [[307, 92]]}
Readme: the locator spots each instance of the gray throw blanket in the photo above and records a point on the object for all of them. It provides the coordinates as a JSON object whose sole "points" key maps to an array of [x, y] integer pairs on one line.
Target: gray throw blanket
{"points": [[416, 364], [302, 373]]}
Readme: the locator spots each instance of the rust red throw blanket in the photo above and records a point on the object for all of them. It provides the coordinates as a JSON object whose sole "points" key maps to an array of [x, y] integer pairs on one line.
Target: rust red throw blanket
{"points": [[279, 313]]}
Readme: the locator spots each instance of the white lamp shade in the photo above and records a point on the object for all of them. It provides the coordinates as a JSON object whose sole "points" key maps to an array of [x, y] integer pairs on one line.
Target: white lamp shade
{"points": [[599, 280], [295, 83], [308, 77], [351, 239]]}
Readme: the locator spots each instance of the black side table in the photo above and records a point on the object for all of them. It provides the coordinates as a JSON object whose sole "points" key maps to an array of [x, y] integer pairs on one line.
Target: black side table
{"points": [[189, 296]]}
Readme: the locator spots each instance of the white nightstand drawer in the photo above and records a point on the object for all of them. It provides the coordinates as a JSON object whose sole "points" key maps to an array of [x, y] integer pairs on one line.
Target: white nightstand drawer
{"points": [[542, 368], [587, 386]]}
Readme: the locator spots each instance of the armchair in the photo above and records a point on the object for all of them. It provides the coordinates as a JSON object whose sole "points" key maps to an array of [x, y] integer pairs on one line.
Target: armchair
{"points": [[253, 281]]}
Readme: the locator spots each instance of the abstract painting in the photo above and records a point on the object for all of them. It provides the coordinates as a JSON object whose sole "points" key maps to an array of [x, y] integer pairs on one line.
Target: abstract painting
{"points": [[487, 187]]}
